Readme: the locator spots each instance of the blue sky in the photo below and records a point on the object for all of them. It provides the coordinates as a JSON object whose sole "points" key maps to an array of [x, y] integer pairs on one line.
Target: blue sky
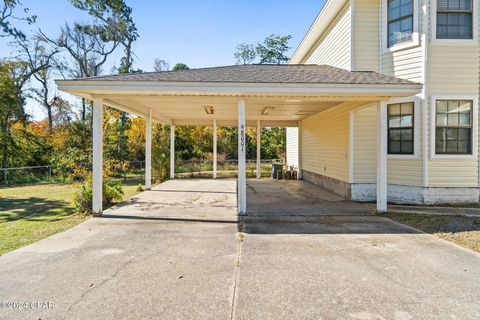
{"points": [[199, 33]]}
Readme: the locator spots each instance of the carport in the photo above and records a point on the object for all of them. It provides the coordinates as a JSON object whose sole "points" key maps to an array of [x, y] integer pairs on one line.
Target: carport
{"points": [[246, 95]]}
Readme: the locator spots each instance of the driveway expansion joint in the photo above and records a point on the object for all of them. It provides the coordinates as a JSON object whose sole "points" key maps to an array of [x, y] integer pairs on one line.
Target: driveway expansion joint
{"points": [[240, 239]]}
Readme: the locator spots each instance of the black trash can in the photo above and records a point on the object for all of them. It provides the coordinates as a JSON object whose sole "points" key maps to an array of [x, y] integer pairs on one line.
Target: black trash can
{"points": [[275, 168]]}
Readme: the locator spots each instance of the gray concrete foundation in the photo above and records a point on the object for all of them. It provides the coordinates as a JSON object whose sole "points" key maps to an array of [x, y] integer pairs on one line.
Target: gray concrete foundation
{"points": [[338, 187]]}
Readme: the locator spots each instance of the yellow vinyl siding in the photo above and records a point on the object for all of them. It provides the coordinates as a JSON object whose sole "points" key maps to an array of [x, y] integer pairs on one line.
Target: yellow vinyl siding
{"points": [[405, 64], [325, 143], [292, 146], [453, 70], [365, 145], [400, 171], [453, 173], [334, 46], [366, 35], [406, 172]]}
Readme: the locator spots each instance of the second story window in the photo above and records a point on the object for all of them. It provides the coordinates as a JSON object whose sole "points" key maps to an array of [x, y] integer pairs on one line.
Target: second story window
{"points": [[454, 19], [400, 21]]}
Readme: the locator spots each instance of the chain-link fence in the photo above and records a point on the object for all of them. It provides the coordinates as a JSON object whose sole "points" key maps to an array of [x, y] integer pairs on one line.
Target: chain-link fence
{"points": [[135, 171], [122, 170], [24, 175]]}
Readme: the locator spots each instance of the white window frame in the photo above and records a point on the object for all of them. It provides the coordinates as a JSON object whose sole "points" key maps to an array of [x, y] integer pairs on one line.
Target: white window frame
{"points": [[455, 42], [433, 127], [416, 128], [415, 42]]}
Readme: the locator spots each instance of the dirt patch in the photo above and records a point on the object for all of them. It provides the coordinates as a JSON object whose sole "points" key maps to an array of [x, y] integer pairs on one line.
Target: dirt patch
{"points": [[464, 231]]}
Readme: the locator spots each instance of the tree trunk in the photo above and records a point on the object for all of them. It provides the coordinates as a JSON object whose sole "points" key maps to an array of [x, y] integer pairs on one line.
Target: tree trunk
{"points": [[50, 118], [84, 109]]}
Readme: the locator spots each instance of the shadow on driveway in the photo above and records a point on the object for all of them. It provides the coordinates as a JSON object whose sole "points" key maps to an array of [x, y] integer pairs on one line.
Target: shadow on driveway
{"points": [[323, 225]]}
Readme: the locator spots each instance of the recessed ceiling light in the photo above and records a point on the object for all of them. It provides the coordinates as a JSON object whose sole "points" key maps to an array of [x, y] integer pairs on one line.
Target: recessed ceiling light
{"points": [[209, 109], [266, 110], [293, 100], [304, 113]]}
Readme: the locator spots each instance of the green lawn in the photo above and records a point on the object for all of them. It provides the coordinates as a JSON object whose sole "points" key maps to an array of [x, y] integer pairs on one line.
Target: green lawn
{"points": [[31, 213]]}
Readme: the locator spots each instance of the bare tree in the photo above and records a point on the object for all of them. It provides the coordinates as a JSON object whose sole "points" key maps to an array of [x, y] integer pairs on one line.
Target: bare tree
{"points": [[113, 20], [40, 59], [89, 52], [160, 65], [61, 111]]}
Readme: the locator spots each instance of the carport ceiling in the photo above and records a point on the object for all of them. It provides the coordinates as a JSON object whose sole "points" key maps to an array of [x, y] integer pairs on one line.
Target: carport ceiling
{"points": [[185, 109]]}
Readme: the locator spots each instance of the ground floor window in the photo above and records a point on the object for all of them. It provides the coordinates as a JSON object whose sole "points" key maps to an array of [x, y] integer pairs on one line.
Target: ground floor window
{"points": [[453, 131], [401, 128]]}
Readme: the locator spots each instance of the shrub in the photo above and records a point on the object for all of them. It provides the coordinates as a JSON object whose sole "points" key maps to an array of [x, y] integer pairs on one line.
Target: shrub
{"points": [[82, 200]]}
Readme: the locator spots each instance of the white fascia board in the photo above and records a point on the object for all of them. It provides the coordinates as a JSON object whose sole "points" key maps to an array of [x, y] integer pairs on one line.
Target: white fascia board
{"points": [[236, 89], [328, 13]]}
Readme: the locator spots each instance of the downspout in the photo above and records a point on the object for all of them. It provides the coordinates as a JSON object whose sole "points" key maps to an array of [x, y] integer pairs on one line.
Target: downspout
{"points": [[425, 40]]}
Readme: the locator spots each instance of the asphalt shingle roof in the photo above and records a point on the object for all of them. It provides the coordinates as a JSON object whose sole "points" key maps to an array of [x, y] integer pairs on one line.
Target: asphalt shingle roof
{"points": [[305, 73]]}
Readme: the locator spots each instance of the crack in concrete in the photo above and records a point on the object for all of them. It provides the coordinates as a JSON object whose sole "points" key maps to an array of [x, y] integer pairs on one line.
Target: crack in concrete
{"points": [[241, 238], [92, 288]]}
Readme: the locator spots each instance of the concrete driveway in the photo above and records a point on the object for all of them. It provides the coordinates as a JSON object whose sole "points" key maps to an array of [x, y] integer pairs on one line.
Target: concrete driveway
{"points": [[177, 253]]}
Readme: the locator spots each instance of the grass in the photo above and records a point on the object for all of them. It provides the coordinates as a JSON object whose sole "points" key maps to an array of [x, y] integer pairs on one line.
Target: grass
{"points": [[31, 213], [464, 231]]}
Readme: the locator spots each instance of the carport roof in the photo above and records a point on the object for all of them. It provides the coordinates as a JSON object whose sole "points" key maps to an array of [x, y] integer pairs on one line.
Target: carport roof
{"points": [[276, 95], [256, 73]]}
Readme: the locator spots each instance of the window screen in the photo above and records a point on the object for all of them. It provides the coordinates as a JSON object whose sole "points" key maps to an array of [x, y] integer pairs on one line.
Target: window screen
{"points": [[400, 21], [454, 19]]}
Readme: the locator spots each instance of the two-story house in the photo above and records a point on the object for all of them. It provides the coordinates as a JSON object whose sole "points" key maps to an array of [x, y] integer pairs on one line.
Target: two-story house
{"points": [[432, 137]]}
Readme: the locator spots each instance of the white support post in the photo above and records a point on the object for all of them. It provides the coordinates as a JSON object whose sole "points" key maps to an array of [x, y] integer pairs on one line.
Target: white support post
{"points": [[148, 151], [382, 157], [172, 151], [259, 136], [242, 178], [97, 181], [214, 149], [299, 175]]}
